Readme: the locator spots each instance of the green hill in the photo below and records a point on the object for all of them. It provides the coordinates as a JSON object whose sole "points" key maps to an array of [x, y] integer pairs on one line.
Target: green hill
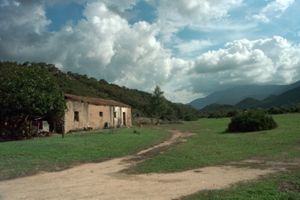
{"points": [[248, 103], [287, 98], [218, 110]]}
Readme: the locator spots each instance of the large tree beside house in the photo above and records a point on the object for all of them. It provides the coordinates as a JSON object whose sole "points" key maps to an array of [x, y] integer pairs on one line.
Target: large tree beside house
{"points": [[27, 93]]}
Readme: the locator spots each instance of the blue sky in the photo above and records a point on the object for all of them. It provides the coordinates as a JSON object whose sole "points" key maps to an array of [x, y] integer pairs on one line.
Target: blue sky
{"points": [[63, 13], [142, 11], [189, 48]]}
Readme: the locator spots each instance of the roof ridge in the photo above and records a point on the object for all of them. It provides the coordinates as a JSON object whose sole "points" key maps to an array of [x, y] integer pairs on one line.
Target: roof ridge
{"points": [[95, 100]]}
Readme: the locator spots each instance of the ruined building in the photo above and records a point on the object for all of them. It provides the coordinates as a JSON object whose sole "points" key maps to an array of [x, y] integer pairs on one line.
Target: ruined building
{"points": [[95, 113]]}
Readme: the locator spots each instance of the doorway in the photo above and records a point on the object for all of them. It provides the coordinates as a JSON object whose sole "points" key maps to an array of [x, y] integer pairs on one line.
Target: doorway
{"points": [[124, 118]]}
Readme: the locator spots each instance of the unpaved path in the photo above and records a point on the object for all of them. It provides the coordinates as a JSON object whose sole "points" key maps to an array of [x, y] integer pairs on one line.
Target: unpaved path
{"points": [[106, 181]]}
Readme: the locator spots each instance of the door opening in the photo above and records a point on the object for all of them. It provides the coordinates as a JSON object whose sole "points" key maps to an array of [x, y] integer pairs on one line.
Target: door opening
{"points": [[124, 118]]}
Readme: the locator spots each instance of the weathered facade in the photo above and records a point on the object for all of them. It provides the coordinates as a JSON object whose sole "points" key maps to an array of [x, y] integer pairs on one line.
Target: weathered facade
{"points": [[95, 113]]}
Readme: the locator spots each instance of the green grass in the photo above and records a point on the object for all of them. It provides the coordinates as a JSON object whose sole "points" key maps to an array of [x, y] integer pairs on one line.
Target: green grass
{"points": [[211, 146], [20, 158], [284, 186]]}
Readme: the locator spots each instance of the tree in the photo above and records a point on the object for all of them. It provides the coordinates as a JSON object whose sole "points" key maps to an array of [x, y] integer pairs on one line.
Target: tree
{"points": [[27, 92], [158, 104]]}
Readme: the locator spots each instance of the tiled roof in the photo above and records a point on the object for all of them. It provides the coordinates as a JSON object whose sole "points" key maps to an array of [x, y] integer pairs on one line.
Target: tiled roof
{"points": [[95, 101]]}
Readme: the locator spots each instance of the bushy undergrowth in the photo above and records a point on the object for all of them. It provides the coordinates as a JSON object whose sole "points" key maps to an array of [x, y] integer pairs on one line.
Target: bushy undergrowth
{"points": [[251, 121]]}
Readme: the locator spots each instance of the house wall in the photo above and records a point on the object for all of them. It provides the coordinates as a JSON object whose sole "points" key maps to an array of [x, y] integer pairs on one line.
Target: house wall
{"points": [[119, 121], [89, 116], [95, 120], [127, 111], [70, 123]]}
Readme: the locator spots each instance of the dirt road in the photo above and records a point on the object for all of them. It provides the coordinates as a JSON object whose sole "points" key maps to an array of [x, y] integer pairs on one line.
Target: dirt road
{"points": [[106, 181]]}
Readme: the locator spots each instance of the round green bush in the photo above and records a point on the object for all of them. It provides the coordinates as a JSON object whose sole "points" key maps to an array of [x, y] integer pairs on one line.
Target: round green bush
{"points": [[251, 121]]}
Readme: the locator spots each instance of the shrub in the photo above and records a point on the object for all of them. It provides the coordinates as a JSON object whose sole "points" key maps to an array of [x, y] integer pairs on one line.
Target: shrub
{"points": [[251, 121]]}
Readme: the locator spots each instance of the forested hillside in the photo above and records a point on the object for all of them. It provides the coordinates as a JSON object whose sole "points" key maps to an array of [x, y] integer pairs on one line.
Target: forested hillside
{"points": [[140, 101]]}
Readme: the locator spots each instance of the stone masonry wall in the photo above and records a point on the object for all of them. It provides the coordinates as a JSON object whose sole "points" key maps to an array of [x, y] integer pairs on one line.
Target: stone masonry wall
{"points": [[90, 117]]}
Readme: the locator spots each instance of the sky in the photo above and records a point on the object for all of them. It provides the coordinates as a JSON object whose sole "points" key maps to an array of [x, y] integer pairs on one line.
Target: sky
{"points": [[190, 48]]}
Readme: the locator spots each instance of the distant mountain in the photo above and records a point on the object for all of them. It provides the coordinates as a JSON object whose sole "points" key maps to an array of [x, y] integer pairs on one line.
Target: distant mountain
{"points": [[235, 95], [292, 86], [287, 98]]}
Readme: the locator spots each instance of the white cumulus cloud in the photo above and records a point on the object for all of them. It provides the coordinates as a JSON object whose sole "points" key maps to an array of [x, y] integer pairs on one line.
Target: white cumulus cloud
{"points": [[272, 60], [273, 9], [173, 15], [192, 46]]}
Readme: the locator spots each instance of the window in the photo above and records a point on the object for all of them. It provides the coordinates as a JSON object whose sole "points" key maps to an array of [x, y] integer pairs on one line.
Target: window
{"points": [[101, 114], [115, 114], [76, 116]]}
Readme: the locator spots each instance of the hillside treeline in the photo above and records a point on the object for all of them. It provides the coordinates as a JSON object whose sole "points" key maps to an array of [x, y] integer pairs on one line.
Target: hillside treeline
{"points": [[77, 84], [220, 111]]}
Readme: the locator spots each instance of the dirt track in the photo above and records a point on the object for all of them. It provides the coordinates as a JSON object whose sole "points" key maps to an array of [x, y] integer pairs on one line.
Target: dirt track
{"points": [[106, 181]]}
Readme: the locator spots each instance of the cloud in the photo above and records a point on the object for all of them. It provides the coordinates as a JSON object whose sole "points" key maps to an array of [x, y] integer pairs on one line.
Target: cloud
{"points": [[274, 9], [173, 15], [117, 51], [188, 12], [263, 61], [105, 45], [117, 6], [121, 4], [192, 46], [22, 25]]}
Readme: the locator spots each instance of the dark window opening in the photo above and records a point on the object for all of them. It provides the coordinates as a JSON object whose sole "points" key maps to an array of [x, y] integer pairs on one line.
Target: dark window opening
{"points": [[101, 114], [76, 116], [115, 114]]}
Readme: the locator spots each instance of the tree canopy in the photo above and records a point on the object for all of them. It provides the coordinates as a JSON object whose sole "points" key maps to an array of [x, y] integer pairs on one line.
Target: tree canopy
{"points": [[28, 92], [158, 103]]}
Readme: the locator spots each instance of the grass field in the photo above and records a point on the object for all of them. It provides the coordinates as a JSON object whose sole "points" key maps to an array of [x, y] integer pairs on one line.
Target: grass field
{"points": [[211, 146], [20, 158], [284, 186]]}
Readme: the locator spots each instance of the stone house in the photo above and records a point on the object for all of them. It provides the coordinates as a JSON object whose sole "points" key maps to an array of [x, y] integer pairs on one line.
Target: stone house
{"points": [[95, 113]]}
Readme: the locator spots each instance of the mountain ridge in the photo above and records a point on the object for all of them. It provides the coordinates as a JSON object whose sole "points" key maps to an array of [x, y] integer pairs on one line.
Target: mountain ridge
{"points": [[235, 95], [287, 100]]}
